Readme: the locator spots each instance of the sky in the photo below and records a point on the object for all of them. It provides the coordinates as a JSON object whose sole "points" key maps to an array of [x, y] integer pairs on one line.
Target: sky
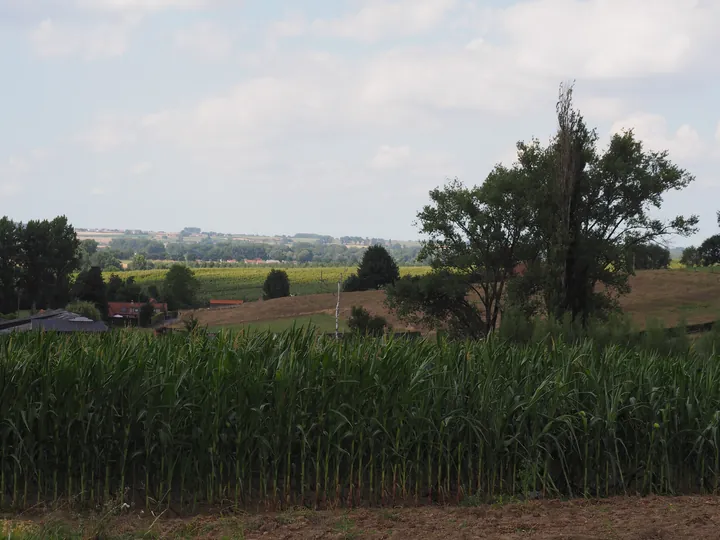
{"points": [[331, 116]]}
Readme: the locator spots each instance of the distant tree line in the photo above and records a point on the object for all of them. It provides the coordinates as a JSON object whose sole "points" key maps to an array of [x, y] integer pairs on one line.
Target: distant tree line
{"points": [[314, 253]]}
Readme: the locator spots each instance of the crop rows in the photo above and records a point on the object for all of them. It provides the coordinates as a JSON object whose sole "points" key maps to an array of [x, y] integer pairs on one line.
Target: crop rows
{"points": [[261, 420], [246, 283]]}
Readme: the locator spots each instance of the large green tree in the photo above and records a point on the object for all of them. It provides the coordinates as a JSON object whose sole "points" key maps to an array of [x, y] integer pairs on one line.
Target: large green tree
{"points": [[90, 287], [568, 211], [126, 290], [709, 251], [691, 257], [649, 256], [590, 206], [377, 269], [49, 255], [276, 285], [9, 264], [180, 287], [476, 238]]}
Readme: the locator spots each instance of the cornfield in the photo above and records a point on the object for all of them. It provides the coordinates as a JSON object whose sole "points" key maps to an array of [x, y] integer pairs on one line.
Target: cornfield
{"points": [[246, 283], [256, 420]]}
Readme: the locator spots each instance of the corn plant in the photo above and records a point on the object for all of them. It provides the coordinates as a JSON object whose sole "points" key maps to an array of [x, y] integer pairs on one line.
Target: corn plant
{"points": [[256, 420]]}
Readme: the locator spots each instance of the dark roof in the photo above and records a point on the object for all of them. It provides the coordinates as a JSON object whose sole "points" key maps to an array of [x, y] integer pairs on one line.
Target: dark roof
{"points": [[40, 319], [63, 325], [61, 313]]}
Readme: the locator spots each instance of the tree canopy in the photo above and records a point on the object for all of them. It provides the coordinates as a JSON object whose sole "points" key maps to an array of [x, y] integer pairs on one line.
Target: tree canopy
{"points": [[649, 256], [276, 285], [691, 257], [709, 251], [377, 269], [180, 287], [90, 287], [541, 235], [37, 259]]}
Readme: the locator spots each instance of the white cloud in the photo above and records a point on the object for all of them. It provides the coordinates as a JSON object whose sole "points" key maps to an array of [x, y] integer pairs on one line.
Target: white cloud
{"points": [[417, 172], [390, 157], [141, 5], [378, 19], [141, 169], [205, 40], [475, 45], [653, 131], [449, 78], [109, 132], [717, 133], [12, 172], [607, 38], [10, 188], [90, 42], [291, 26], [599, 108], [17, 165]]}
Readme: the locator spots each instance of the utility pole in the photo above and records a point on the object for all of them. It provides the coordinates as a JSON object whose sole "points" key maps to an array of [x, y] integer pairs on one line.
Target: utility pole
{"points": [[337, 310]]}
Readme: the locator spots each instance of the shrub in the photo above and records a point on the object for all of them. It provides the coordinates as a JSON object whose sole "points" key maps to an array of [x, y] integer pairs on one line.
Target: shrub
{"points": [[354, 284], [85, 309], [362, 322], [277, 285]]}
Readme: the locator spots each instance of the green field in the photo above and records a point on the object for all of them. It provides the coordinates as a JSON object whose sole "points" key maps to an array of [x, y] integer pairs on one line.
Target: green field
{"points": [[246, 283], [262, 420]]}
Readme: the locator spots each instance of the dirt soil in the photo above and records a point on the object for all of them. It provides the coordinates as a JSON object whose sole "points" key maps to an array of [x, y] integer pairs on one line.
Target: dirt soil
{"points": [[297, 306], [627, 518], [671, 295], [665, 295]]}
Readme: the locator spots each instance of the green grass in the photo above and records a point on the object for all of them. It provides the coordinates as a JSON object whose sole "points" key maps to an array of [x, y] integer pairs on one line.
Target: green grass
{"points": [[297, 420], [321, 322], [246, 283]]}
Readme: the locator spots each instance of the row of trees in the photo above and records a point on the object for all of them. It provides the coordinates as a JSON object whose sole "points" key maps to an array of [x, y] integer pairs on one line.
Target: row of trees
{"points": [[179, 289], [207, 251], [707, 254], [37, 260]]}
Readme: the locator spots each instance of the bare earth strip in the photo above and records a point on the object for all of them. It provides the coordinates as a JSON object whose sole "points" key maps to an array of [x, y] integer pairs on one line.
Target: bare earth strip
{"points": [[666, 295], [622, 518]]}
